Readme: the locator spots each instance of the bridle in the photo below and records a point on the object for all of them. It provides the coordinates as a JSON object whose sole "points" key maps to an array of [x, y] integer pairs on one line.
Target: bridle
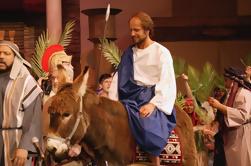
{"points": [[66, 141], [79, 118]]}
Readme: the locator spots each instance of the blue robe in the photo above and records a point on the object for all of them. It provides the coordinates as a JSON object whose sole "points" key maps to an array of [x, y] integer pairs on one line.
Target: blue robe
{"points": [[151, 133]]}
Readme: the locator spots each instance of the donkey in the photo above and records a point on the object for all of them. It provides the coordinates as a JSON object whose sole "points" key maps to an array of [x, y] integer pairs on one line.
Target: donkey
{"points": [[100, 125]]}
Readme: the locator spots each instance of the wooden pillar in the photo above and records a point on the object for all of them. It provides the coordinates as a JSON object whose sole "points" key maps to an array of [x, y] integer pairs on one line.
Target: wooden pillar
{"points": [[54, 19], [96, 31]]}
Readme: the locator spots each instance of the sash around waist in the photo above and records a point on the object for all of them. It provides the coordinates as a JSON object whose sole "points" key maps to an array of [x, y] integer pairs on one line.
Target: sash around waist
{"points": [[11, 128]]}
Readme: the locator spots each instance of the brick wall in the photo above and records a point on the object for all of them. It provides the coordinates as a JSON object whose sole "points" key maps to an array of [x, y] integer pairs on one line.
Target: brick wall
{"points": [[25, 36]]}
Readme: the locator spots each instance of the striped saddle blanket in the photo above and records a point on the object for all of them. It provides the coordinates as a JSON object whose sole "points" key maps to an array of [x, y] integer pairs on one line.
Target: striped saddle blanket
{"points": [[171, 155]]}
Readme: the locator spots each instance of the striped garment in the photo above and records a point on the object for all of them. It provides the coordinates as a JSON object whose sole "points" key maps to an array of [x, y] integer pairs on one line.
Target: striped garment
{"points": [[21, 91]]}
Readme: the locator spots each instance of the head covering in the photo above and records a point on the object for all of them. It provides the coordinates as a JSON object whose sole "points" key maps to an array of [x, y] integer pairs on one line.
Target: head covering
{"points": [[189, 101], [237, 76], [53, 56], [15, 49]]}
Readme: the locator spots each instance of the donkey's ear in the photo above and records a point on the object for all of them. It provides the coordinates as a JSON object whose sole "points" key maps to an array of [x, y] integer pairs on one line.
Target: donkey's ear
{"points": [[80, 83]]}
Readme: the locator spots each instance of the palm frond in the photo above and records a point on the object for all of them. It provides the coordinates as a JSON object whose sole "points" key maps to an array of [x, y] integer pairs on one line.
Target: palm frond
{"points": [[43, 42], [179, 65], [110, 51], [180, 101], [208, 82], [66, 36], [194, 77], [247, 59], [202, 83], [219, 81], [40, 46]]}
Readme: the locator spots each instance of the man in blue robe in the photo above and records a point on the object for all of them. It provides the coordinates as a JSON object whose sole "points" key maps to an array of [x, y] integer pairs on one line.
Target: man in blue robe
{"points": [[145, 84]]}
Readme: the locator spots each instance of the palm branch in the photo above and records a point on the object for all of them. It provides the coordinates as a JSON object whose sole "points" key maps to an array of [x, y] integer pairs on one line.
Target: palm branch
{"points": [[43, 42], [247, 60], [208, 82], [110, 51], [66, 36], [180, 101], [219, 81], [202, 85], [179, 65], [194, 77], [40, 46]]}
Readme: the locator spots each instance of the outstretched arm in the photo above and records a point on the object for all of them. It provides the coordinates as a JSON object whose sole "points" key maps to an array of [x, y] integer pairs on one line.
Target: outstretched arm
{"points": [[187, 87]]}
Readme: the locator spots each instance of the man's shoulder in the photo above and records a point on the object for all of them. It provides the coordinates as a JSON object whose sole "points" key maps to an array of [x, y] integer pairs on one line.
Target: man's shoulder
{"points": [[245, 93], [128, 51], [26, 76], [129, 48], [163, 53], [161, 47]]}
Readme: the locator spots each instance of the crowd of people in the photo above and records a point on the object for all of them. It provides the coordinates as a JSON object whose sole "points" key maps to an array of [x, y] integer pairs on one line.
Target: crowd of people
{"points": [[144, 82]]}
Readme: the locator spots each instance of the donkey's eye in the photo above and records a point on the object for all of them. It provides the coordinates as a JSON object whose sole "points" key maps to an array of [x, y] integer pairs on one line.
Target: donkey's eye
{"points": [[52, 113], [66, 115]]}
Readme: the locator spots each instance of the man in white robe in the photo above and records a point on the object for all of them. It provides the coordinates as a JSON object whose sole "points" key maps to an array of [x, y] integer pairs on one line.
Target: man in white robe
{"points": [[237, 116]]}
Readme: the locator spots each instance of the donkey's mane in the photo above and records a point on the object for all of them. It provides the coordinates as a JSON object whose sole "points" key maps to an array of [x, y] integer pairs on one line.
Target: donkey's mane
{"points": [[65, 86], [91, 99]]}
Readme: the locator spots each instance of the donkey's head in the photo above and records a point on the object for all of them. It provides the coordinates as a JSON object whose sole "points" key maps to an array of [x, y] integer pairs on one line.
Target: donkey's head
{"points": [[68, 122]]}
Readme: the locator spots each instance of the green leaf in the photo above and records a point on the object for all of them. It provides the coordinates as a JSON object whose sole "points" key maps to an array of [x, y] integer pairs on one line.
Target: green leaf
{"points": [[180, 101], [247, 60], [179, 65], [110, 51], [43, 42], [203, 83], [208, 82], [40, 46], [66, 36], [194, 76]]}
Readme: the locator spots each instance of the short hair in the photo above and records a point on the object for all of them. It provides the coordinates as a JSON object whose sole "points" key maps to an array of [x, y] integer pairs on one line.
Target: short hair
{"points": [[104, 77], [146, 21]]}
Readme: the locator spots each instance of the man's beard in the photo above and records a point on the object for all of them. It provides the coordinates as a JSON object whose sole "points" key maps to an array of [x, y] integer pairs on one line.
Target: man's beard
{"points": [[139, 41], [8, 68]]}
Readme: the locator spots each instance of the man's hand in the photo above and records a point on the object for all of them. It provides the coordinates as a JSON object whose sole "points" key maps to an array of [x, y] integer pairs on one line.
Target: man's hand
{"points": [[74, 150], [41, 79], [146, 110], [216, 104], [184, 77], [20, 157]]}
